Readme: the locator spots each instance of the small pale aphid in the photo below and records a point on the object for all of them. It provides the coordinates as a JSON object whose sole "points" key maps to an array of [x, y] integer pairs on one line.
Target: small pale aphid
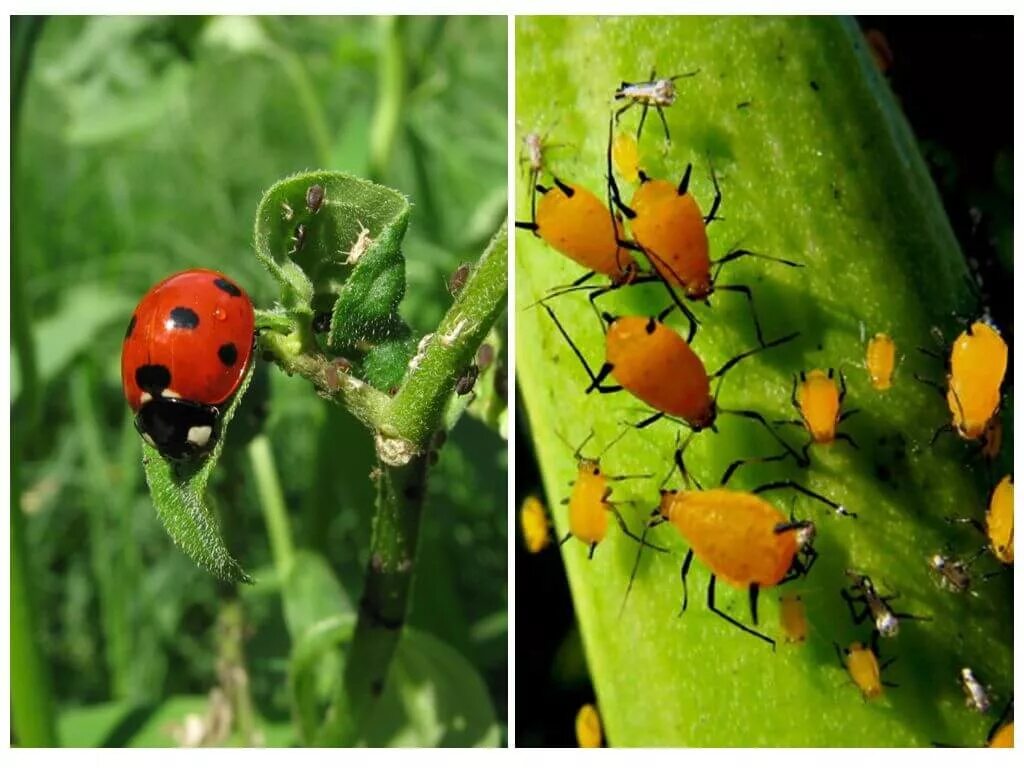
{"points": [[655, 92], [360, 246], [976, 695], [793, 617], [533, 519], [952, 575], [880, 360]]}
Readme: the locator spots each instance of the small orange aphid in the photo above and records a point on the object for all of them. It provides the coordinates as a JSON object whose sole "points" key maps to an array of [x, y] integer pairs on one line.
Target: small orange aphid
{"points": [[588, 727], [793, 617], [977, 366], [998, 525], [656, 365], [1000, 736], [626, 156], [881, 360], [862, 665], [533, 519], [590, 503], [739, 536], [573, 221], [819, 401], [999, 521]]}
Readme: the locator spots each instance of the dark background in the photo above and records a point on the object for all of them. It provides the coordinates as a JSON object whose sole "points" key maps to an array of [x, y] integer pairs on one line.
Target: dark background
{"points": [[953, 76]]}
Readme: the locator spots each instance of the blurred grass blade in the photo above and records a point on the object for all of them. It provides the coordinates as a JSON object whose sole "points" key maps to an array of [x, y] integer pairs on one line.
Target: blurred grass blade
{"points": [[179, 495]]}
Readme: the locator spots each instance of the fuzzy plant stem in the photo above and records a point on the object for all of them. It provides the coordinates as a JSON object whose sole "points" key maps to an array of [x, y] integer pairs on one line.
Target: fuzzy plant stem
{"points": [[417, 410], [416, 413]]}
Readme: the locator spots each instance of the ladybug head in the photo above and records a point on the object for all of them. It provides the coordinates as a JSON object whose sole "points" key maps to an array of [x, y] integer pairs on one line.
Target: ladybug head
{"points": [[179, 429]]}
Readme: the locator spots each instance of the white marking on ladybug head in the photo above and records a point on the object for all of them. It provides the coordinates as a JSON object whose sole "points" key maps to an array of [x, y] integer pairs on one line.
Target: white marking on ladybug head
{"points": [[170, 394], [146, 397], [199, 436], [148, 439]]}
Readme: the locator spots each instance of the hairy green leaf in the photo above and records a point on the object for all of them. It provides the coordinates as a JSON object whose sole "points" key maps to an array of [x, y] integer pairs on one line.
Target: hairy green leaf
{"points": [[816, 164], [178, 491]]}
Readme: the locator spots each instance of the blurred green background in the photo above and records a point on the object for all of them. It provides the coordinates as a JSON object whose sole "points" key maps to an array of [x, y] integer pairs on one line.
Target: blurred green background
{"points": [[141, 147]]}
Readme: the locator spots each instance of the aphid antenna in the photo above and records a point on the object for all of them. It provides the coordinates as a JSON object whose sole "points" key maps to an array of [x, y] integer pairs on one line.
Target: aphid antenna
{"points": [[595, 380]]}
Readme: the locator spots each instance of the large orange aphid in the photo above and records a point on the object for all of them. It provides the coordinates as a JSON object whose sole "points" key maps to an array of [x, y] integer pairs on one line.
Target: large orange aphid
{"points": [[977, 366], [574, 221]]}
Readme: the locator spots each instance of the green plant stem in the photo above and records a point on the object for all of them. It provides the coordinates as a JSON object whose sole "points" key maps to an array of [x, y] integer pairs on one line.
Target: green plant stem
{"points": [[231, 670], [32, 714], [417, 410], [401, 492], [390, 94], [275, 512], [292, 354]]}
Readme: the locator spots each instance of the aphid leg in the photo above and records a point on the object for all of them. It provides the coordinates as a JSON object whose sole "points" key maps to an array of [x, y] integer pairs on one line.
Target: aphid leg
{"points": [[793, 485], [681, 465], [534, 175], [619, 112], [595, 381], [755, 416], [643, 116], [718, 198], [754, 591], [847, 414], [939, 432], [858, 618], [687, 561], [933, 384], [664, 122], [745, 290], [636, 563], [649, 420], [730, 619], [977, 524], [912, 617], [633, 536], [565, 538], [744, 355], [739, 253], [848, 438], [740, 462], [841, 654], [593, 546]]}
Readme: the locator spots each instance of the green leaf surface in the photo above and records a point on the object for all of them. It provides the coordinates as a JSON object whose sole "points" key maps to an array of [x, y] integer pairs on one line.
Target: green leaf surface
{"points": [[433, 696], [311, 593], [816, 164], [178, 491]]}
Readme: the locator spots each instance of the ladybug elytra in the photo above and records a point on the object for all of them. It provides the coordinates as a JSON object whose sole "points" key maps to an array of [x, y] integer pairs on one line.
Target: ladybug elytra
{"points": [[187, 348]]}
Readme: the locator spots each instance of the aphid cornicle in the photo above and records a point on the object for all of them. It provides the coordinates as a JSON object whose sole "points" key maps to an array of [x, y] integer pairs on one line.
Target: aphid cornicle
{"points": [[740, 537], [880, 360], [654, 92], [863, 665], [668, 227], [533, 519], [656, 365], [875, 605], [819, 401], [590, 502]]}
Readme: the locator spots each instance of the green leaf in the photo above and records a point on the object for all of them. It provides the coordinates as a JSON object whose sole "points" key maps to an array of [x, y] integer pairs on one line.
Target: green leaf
{"points": [[178, 491], [311, 592], [433, 696], [818, 166]]}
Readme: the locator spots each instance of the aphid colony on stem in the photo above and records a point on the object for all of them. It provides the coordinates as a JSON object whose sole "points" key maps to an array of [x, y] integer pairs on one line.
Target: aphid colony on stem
{"points": [[741, 538]]}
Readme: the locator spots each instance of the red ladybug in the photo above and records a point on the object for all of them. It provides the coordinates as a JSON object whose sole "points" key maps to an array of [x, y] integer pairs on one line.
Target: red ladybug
{"points": [[186, 350]]}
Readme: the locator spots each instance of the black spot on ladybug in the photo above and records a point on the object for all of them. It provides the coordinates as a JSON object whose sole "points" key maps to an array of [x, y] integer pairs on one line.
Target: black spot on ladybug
{"points": [[152, 378], [228, 354], [227, 286], [131, 327], [183, 317]]}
